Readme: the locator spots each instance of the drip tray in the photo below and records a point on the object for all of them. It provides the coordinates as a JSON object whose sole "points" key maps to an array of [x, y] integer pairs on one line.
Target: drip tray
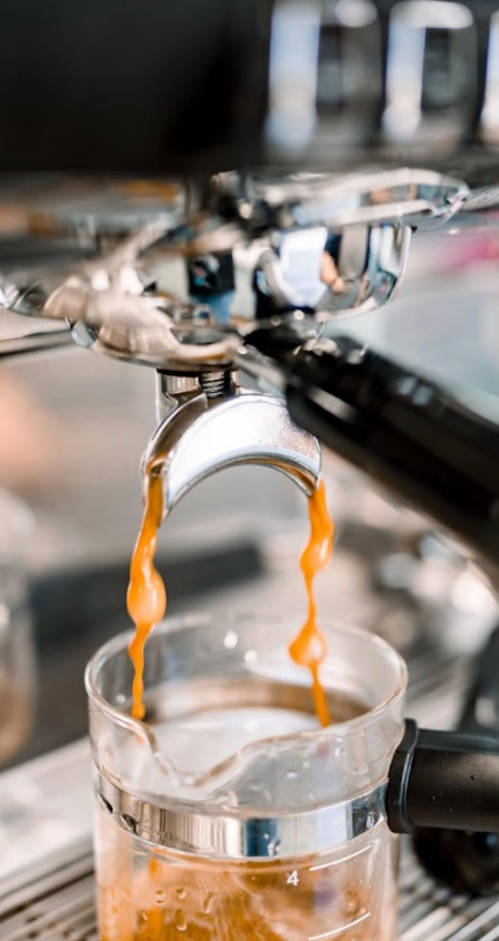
{"points": [[56, 903]]}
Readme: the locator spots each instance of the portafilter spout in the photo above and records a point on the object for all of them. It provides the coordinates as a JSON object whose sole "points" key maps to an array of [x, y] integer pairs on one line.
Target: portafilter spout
{"points": [[203, 435]]}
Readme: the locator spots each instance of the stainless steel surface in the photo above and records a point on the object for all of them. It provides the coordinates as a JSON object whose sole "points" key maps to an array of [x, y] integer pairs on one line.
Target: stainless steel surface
{"points": [[199, 438], [45, 807], [55, 904], [38, 342], [237, 837], [180, 293], [397, 195]]}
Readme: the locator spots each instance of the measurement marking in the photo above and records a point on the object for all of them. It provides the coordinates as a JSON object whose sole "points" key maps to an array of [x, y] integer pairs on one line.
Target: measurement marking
{"points": [[330, 934], [344, 859]]}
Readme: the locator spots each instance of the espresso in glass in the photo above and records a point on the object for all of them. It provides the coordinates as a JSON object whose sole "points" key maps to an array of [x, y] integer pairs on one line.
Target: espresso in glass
{"points": [[228, 812]]}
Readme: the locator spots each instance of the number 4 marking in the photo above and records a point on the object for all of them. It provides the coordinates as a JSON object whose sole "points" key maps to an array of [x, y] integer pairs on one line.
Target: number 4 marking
{"points": [[293, 878]]}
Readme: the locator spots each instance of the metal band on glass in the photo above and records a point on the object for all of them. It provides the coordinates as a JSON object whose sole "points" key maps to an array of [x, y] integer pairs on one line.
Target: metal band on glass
{"points": [[239, 837]]}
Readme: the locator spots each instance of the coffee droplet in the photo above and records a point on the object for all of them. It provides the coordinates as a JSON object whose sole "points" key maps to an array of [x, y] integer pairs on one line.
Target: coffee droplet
{"points": [[180, 920], [208, 903]]}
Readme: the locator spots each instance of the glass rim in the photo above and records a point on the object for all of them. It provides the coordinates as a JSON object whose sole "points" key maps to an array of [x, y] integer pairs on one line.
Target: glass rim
{"points": [[169, 625]]}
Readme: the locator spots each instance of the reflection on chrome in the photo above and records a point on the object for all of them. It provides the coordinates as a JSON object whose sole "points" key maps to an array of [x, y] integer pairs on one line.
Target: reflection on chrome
{"points": [[201, 436], [185, 288]]}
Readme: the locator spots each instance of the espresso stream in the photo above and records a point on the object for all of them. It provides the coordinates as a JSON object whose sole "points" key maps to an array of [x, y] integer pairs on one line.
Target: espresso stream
{"points": [[309, 648], [146, 599], [207, 900]]}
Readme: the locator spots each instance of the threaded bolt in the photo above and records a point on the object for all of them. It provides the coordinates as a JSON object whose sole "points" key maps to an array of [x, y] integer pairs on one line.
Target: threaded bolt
{"points": [[217, 383]]}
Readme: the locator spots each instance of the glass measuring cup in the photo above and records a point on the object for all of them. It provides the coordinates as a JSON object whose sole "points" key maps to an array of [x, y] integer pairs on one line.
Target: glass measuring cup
{"points": [[230, 814]]}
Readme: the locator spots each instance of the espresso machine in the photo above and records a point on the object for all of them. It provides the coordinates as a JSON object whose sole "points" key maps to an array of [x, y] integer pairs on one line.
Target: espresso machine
{"points": [[290, 151], [305, 145]]}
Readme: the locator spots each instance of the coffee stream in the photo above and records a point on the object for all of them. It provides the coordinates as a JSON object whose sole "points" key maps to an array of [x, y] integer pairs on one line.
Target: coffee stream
{"points": [[146, 896], [309, 648], [146, 598]]}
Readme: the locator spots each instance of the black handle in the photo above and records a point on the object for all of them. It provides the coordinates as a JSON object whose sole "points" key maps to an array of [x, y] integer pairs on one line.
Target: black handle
{"points": [[470, 860], [448, 780], [412, 435]]}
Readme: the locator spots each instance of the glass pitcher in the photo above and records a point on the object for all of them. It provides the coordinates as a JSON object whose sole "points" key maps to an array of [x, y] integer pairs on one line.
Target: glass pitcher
{"points": [[229, 813]]}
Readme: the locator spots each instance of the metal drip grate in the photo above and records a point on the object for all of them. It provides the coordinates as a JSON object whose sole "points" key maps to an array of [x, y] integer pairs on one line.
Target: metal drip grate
{"points": [[431, 913], [58, 905], [53, 903]]}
